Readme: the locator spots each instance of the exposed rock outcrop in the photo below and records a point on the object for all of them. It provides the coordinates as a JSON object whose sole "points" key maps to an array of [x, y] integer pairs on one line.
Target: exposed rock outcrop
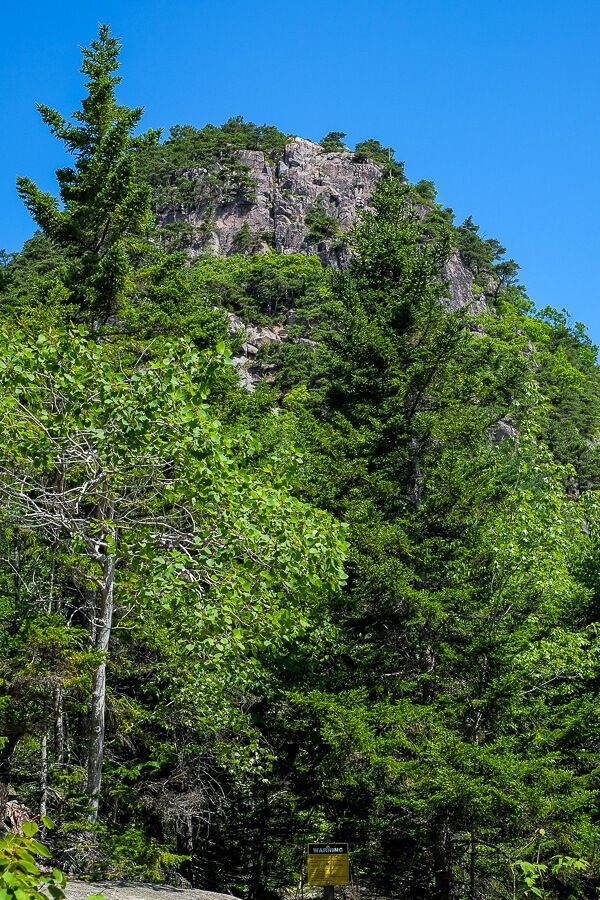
{"points": [[221, 225], [502, 430], [306, 203], [252, 338], [308, 176], [275, 214], [280, 211], [125, 890], [460, 283]]}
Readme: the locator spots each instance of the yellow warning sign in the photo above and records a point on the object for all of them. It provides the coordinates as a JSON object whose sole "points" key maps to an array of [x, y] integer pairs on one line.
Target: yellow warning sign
{"points": [[328, 864]]}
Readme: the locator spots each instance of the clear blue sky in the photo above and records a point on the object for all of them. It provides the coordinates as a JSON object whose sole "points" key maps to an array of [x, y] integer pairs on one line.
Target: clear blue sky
{"points": [[497, 101]]}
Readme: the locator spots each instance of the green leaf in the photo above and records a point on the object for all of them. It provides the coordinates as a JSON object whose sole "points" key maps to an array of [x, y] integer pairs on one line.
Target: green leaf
{"points": [[40, 849]]}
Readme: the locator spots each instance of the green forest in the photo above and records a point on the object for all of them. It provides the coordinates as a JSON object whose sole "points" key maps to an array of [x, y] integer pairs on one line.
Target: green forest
{"points": [[358, 603]]}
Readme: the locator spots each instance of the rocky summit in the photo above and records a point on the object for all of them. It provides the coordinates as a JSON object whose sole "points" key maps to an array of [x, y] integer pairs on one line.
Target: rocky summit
{"points": [[307, 202]]}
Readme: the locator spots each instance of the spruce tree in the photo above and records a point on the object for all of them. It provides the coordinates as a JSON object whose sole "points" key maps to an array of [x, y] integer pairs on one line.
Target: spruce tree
{"points": [[427, 729], [102, 204]]}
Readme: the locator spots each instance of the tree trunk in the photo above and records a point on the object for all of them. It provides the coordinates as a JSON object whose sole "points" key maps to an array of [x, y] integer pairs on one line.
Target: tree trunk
{"points": [[473, 863], [59, 726], [44, 775], [102, 631], [6, 753], [184, 835], [443, 863], [415, 474]]}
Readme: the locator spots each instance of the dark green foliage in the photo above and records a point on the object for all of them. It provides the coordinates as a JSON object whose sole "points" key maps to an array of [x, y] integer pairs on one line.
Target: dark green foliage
{"points": [[478, 254], [384, 156], [567, 373], [436, 707], [423, 719], [5, 260], [321, 226], [169, 299], [265, 288], [215, 151], [333, 142], [425, 191], [102, 205], [247, 242], [34, 288], [187, 146], [484, 257]]}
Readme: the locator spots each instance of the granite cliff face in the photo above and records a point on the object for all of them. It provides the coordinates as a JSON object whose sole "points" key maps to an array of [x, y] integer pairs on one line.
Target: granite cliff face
{"points": [[305, 203], [307, 176], [307, 184], [277, 212]]}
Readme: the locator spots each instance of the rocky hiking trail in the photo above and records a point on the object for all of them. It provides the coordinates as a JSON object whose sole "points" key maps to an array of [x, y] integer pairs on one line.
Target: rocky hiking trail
{"points": [[126, 890]]}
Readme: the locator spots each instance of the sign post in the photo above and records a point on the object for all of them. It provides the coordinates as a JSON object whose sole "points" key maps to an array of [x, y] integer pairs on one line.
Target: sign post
{"points": [[328, 865]]}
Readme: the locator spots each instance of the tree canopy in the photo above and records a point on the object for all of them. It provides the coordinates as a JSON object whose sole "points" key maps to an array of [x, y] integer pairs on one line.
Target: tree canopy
{"points": [[358, 603]]}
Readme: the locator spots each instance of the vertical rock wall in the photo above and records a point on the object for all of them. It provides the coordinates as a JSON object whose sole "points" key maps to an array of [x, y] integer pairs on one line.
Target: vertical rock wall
{"points": [[275, 213]]}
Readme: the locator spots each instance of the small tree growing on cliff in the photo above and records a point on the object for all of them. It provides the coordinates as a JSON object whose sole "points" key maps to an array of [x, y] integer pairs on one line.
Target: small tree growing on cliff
{"points": [[102, 205], [333, 142]]}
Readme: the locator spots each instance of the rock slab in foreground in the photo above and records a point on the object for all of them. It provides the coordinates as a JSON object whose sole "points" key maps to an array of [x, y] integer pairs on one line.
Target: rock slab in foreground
{"points": [[127, 890]]}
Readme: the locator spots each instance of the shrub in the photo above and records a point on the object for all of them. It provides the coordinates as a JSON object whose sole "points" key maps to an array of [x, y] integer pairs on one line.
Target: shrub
{"points": [[20, 876]]}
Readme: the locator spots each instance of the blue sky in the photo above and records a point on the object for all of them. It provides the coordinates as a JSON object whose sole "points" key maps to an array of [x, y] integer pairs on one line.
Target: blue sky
{"points": [[497, 101]]}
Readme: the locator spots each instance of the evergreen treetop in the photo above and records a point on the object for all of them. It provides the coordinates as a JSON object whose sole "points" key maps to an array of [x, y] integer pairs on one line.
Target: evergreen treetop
{"points": [[101, 204]]}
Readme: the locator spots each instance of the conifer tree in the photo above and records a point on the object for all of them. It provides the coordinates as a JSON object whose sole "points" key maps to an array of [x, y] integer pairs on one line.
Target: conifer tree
{"points": [[102, 205], [444, 662]]}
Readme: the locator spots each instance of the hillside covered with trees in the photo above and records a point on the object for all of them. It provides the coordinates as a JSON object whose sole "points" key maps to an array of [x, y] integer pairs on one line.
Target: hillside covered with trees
{"points": [[357, 602]]}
